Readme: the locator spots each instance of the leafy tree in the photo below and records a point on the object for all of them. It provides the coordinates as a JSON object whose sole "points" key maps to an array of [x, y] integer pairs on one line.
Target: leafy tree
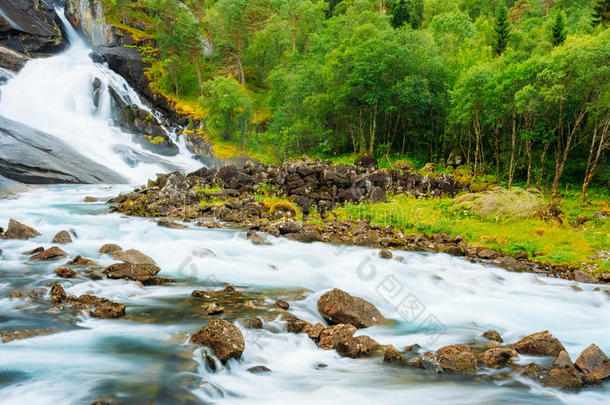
{"points": [[501, 29], [400, 14], [601, 12], [558, 30]]}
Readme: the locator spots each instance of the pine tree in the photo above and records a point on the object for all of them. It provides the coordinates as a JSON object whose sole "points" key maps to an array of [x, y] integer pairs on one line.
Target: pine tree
{"points": [[558, 29], [400, 14], [501, 29], [601, 12]]}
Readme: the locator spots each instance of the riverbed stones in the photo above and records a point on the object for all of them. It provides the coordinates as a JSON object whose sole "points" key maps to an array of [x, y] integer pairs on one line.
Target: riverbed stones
{"points": [[17, 230], [62, 237], [252, 323], [281, 304], [391, 355], [212, 308], [315, 331], [256, 238], [339, 307], [492, 335], [499, 357], [16, 294], [298, 326], [52, 253], [223, 338], [456, 358], [37, 293], [58, 294], [385, 254], [132, 256], [166, 223], [143, 272], [33, 251], [64, 272], [563, 375], [333, 335], [108, 310], [355, 347], [594, 364], [109, 248], [539, 344]]}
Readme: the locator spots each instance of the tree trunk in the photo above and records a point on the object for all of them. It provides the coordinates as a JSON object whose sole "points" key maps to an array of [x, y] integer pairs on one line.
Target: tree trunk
{"points": [[373, 130], [528, 147], [593, 162], [545, 150], [497, 151], [477, 133], [199, 76], [562, 156], [513, 141]]}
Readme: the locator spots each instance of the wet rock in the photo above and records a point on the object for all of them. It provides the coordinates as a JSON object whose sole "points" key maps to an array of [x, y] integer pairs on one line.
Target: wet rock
{"points": [[427, 363], [224, 338], [499, 357], [108, 310], [16, 294], [259, 370], [109, 248], [252, 323], [82, 262], [58, 294], [281, 304], [64, 272], [563, 375], [385, 254], [209, 224], [531, 371], [34, 251], [492, 335], [37, 293], [392, 356], [17, 230], [10, 335], [539, 344], [213, 308], [289, 227], [89, 199], [338, 307], [138, 272], [62, 237], [582, 277], [315, 332], [132, 256], [257, 239], [487, 254], [333, 335], [298, 326], [359, 346], [166, 223], [12, 60], [594, 364], [456, 359], [52, 253]]}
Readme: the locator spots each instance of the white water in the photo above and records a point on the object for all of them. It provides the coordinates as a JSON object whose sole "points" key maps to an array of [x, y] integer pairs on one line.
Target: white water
{"points": [[123, 356], [55, 95]]}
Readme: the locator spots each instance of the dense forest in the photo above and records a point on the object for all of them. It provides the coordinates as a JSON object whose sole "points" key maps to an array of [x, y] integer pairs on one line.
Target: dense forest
{"points": [[517, 88]]}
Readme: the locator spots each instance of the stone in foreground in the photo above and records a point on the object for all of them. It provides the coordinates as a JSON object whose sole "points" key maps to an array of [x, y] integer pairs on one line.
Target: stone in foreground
{"points": [[594, 364], [334, 335], [539, 344], [224, 338], [337, 307], [17, 230]]}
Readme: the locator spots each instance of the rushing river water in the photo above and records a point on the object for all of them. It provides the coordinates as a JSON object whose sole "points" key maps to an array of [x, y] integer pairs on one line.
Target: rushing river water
{"points": [[142, 358]]}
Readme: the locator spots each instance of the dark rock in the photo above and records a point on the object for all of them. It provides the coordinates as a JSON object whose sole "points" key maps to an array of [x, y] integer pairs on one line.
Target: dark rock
{"points": [[34, 157], [385, 254], [338, 307], [64, 272], [34, 251], [427, 363], [594, 364], [367, 162], [392, 356], [213, 308], [257, 239], [170, 224], [58, 294], [143, 272], [109, 248], [487, 254], [289, 227], [315, 331], [456, 359], [62, 237], [539, 344], [563, 379], [37, 293], [298, 326], [499, 357], [492, 335], [582, 277], [224, 338], [11, 59], [107, 310], [52, 253], [282, 304], [259, 370], [17, 230], [333, 335], [252, 323], [359, 346]]}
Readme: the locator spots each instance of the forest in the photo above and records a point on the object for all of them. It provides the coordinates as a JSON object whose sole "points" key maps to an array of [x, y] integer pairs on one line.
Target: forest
{"points": [[519, 89]]}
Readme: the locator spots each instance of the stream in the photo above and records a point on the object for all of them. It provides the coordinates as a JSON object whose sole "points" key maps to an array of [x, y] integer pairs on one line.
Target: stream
{"points": [[432, 299]]}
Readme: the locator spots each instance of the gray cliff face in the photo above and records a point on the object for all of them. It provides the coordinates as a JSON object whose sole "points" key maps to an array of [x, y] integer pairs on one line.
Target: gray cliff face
{"points": [[34, 157]]}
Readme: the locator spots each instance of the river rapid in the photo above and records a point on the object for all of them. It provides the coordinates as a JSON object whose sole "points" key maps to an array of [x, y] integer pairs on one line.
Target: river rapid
{"points": [[432, 299]]}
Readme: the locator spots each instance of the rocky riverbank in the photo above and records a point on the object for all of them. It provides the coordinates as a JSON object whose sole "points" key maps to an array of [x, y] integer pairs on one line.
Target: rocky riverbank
{"points": [[304, 196]]}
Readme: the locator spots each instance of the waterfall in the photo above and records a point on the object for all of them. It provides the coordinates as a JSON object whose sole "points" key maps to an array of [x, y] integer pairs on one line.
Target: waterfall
{"points": [[56, 95]]}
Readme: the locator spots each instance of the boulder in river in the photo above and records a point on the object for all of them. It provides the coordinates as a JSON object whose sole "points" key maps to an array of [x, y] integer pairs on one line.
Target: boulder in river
{"points": [[132, 256], [563, 375], [64, 272], [456, 358], [539, 344], [11, 59], [333, 335], [58, 294], [594, 364], [107, 310], [359, 346], [52, 253], [109, 248], [17, 230], [35, 157], [492, 335], [337, 306], [62, 237], [392, 356], [257, 239], [224, 338], [499, 357], [143, 272]]}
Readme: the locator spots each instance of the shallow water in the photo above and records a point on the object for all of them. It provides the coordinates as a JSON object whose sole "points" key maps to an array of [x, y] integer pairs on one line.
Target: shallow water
{"points": [[142, 358]]}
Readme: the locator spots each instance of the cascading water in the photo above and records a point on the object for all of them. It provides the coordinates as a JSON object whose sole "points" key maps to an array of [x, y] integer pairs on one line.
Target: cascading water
{"points": [[55, 95]]}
